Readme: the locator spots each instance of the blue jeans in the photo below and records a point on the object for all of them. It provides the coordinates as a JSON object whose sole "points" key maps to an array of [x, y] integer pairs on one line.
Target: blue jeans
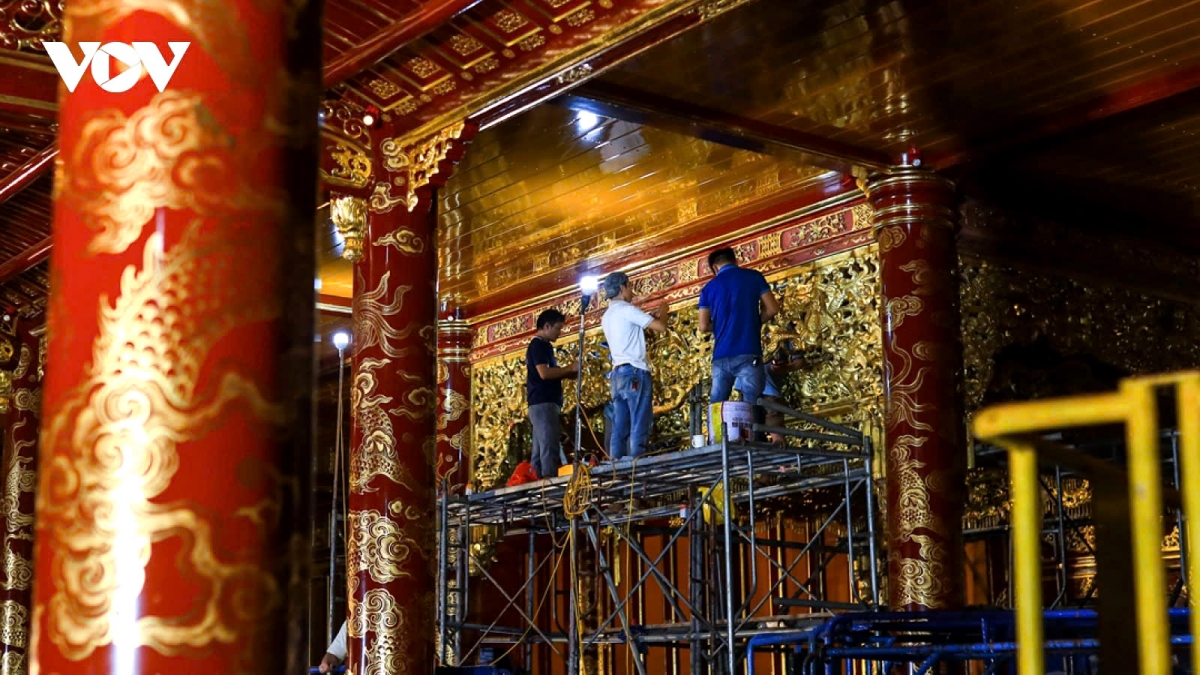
{"points": [[633, 412], [747, 371]]}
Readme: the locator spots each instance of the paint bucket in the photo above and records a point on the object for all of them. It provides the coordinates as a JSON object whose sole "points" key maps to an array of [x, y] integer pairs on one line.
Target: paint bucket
{"points": [[736, 416]]}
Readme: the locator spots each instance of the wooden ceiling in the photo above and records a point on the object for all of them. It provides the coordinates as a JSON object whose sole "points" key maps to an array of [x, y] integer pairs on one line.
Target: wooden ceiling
{"points": [[1085, 110], [941, 75]]}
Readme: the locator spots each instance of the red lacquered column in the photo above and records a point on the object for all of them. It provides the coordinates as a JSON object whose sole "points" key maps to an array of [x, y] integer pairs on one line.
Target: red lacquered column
{"points": [[454, 402], [175, 423], [926, 459], [18, 480], [391, 553]]}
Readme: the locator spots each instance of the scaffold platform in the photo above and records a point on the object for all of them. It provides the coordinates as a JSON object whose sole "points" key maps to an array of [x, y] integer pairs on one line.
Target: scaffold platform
{"points": [[674, 497]]}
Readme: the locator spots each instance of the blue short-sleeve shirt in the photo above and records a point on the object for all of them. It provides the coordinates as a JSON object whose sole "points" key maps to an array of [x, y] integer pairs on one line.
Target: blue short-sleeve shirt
{"points": [[732, 297]]}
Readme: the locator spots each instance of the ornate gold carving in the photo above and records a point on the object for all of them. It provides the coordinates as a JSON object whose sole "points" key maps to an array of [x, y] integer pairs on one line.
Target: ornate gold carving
{"points": [[111, 451], [403, 240], [371, 318], [829, 308], [532, 42], [376, 455], [464, 45], [353, 164], [581, 17], [419, 164], [1088, 328], [383, 88], [349, 215], [510, 21], [23, 363], [421, 66], [42, 357], [26, 23], [6, 390], [169, 154], [486, 66], [382, 200], [14, 619]]}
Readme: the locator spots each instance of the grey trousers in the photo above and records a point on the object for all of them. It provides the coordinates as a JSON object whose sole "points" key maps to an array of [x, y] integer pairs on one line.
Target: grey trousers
{"points": [[546, 432]]}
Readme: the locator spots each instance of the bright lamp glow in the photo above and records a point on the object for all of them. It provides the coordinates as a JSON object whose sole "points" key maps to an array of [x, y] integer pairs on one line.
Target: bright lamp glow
{"points": [[369, 119], [589, 284], [586, 120], [341, 339]]}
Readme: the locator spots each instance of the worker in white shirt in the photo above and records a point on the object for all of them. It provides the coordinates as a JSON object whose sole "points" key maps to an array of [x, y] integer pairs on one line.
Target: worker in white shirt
{"points": [[625, 329], [336, 653]]}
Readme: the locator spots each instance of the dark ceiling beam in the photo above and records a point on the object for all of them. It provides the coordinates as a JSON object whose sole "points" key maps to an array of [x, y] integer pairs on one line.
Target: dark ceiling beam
{"points": [[18, 264], [382, 44], [662, 112], [28, 172], [1144, 97]]}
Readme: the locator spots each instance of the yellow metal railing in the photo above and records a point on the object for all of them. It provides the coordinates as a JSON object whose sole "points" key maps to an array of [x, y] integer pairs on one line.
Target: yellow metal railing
{"points": [[1014, 427]]}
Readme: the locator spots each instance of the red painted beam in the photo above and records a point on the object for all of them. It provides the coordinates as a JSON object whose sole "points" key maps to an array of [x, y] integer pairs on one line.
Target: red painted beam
{"points": [[379, 46], [28, 172], [28, 84], [31, 256]]}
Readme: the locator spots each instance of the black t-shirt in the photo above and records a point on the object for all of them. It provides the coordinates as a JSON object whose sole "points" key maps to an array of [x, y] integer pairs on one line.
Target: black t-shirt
{"points": [[537, 390]]}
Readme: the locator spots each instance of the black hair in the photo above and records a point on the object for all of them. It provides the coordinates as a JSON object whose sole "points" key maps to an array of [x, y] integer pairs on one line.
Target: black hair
{"points": [[721, 256], [549, 318]]}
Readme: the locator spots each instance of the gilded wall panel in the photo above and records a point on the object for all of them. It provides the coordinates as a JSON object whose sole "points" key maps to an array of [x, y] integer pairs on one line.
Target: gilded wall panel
{"points": [[829, 309], [1030, 335]]}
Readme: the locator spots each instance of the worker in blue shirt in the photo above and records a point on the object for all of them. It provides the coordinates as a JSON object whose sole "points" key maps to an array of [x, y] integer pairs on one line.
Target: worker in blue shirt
{"points": [[733, 306]]}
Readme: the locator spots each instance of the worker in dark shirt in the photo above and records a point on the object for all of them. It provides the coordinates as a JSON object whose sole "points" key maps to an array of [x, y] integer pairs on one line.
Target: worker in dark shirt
{"points": [[544, 393], [734, 305]]}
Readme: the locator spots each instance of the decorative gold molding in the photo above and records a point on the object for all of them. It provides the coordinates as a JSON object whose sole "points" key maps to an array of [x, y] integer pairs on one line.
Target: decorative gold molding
{"points": [[349, 216], [352, 163], [6, 391], [419, 163]]}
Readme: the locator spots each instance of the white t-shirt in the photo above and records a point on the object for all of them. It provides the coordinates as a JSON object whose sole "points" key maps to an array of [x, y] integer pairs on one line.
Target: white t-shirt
{"points": [[625, 330], [338, 646]]}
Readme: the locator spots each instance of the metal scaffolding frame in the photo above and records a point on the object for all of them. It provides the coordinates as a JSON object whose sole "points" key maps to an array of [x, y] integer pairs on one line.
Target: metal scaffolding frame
{"points": [[619, 499]]}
